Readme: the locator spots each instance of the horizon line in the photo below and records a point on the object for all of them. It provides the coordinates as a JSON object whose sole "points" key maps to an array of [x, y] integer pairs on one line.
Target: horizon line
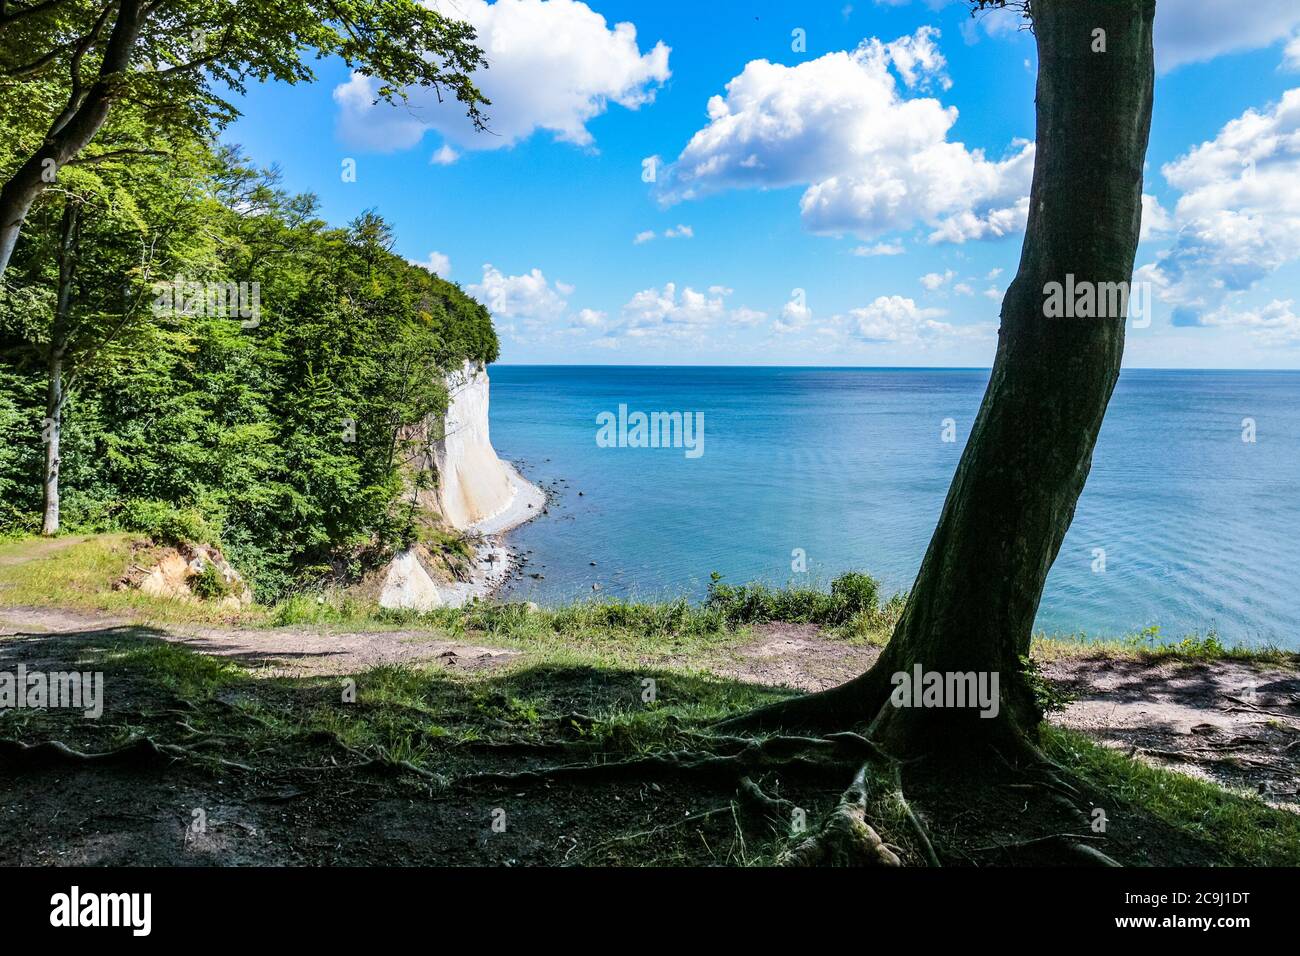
{"points": [[865, 368]]}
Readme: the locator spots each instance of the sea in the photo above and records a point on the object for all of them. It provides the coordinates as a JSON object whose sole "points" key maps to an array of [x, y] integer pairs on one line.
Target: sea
{"points": [[1190, 520]]}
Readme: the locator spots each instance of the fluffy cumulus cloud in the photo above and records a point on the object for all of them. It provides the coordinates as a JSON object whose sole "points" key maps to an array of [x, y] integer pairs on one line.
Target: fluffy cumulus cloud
{"points": [[858, 131], [527, 296], [589, 319], [937, 280], [673, 313], [1273, 325], [898, 320], [1192, 31], [553, 66], [437, 263], [795, 314], [1237, 219]]}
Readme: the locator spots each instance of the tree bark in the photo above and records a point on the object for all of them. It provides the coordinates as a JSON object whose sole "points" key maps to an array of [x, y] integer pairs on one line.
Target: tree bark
{"points": [[52, 429], [55, 393], [973, 604], [72, 130]]}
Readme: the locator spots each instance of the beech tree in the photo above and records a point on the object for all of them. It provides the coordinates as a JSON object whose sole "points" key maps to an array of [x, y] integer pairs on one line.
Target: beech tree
{"points": [[1011, 501], [84, 276], [170, 58]]}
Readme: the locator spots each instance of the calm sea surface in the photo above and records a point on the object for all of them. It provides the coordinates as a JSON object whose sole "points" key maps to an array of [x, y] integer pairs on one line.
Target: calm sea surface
{"points": [[1200, 529]]}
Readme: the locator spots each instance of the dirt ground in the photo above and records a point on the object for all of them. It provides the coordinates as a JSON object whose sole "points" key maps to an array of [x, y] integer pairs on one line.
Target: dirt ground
{"points": [[1232, 722], [274, 652]]}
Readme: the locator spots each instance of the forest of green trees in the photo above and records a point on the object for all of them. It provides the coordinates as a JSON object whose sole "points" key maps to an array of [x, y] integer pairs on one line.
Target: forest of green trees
{"points": [[188, 349]]}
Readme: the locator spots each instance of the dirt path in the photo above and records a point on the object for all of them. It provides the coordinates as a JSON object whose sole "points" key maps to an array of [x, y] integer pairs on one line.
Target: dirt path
{"points": [[36, 634]]}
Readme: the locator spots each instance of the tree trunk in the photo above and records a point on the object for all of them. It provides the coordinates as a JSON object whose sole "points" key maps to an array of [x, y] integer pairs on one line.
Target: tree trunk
{"points": [[55, 394], [973, 604], [71, 131], [52, 432]]}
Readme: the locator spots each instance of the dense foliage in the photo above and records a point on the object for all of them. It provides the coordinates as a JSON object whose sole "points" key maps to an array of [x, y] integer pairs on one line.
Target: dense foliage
{"points": [[274, 416]]}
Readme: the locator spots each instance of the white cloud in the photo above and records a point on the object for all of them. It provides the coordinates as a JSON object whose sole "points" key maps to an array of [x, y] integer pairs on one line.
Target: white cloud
{"points": [[1192, 31], [880, 249], [674, 232], [747, 317], [589, 319], [527, 296], [934, 280], [897, 319], [795, 314], [1238, 216], [1186, 31], [873, 159], [553, 65], [1273, 325], [1156, 220], [666, 312], [1291, 54], [444, 156], [436, 263]]}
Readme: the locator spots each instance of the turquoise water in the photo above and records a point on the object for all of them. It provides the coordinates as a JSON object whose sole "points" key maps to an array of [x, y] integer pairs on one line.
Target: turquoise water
{"points": [[1200, 529]]}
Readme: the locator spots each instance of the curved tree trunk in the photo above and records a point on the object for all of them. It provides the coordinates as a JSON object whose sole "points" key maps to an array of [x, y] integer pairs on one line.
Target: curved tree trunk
{"points": [[73, 129], [1012, 499]]}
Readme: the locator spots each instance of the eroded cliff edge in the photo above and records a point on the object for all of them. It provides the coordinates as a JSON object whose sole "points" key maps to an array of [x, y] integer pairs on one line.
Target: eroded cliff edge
{"points": [[475, 493]]}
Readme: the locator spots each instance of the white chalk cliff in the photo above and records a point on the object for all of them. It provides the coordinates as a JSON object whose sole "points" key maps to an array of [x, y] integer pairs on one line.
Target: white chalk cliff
{"points": [[477, 492]]}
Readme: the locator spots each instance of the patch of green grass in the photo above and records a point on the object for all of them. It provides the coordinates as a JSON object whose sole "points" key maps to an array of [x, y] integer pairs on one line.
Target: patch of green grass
{"points": [[1150, 644], [82, 575], [178, 668], [321, 608], [1243, 829]]}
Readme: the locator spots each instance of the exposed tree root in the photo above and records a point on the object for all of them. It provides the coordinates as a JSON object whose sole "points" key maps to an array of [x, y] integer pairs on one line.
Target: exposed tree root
{"points": [[817, 757], [918, 829], [844, 837], [775, 811], [1072, 845], [140, 751]]}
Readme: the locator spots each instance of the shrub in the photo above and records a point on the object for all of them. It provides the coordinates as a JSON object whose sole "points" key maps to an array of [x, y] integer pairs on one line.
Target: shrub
{"points": [[852, 594], [168, 524], [855, 593], [210, 584]]}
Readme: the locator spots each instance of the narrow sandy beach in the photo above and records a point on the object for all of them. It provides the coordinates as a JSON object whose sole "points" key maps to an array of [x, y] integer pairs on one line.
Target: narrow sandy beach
{"points": [[493, 560]]}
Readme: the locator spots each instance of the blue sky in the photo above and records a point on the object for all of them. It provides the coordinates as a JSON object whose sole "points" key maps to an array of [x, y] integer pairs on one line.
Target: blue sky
{"points": [[835, 183]]}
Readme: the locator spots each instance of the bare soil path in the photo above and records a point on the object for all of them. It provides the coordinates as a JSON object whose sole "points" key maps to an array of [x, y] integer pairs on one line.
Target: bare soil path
{"points": [[35, 634]]}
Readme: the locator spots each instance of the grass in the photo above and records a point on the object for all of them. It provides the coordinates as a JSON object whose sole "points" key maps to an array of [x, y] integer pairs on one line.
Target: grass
{"points": [[1150, 644], [1244, 830], [82, 574]]}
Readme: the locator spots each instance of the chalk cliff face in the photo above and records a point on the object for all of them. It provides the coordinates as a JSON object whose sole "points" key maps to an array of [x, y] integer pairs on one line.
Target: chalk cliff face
{"points": [[474, 485], [477, 492]]}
